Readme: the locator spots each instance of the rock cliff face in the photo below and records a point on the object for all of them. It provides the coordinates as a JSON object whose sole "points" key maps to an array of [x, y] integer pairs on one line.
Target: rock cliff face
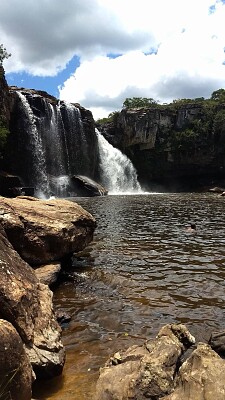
{"points": [[4, 96], [168, 144], [48, 139]]}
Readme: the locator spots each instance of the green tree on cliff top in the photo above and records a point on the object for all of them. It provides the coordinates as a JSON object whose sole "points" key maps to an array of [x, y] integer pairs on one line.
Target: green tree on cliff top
{"points": [[3, 54], [139, 102], [218, 95]]}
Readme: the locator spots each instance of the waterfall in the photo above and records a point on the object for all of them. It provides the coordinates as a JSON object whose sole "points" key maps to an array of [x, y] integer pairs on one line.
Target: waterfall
{"points": [[38, 172], [56, 145], [118, 174], [76, 141]]}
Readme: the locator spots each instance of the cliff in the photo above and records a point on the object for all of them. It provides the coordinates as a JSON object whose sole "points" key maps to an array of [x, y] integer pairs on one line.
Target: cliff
{"points": [[180, 144]]}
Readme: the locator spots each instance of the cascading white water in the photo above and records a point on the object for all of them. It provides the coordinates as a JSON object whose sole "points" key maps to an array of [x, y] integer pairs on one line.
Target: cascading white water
{"points": [[76, 136], [40, 178], [118, 174], [57, 142]]}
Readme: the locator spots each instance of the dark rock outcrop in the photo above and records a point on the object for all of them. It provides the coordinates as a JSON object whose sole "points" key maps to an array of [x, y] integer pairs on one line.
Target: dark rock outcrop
{"points": [[12, 186], [217, 342], [84, 186], [45, 230], [4, 97]]}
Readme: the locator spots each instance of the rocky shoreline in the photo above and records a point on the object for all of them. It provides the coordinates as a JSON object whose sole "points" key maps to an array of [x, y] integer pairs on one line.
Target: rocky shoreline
{"points": [[32, 233], [35, 235], [161, 369]]}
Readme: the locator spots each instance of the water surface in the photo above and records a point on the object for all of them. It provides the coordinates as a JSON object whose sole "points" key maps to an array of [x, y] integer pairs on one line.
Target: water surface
{"points": [[141, 271]]}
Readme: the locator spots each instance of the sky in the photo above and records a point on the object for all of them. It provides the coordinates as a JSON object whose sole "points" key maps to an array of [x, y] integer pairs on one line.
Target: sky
{"points": [[99, 52]]}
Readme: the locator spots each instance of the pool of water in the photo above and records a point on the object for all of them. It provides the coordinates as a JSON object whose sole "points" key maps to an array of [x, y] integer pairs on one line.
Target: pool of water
{"points": [[142, 270]]}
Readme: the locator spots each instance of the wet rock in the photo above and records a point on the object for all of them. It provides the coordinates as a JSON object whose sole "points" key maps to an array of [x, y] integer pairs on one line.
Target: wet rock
{"points": [[217, 189], [201, 377], [84, 186], [217, 342], [144, 372], [48, 274], [7, 182], [15, 368], [62, 317], [45, 230]]}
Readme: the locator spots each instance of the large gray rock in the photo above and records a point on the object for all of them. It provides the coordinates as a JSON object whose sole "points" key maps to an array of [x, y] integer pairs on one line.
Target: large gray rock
{"points": [[45, 230], [201, 377], [15, 368], [144, 372]]}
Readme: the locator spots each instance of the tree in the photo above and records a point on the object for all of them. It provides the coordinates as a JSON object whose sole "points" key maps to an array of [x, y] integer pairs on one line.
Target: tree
{"points": [[139, 102], [3, 54], [218, 95]]}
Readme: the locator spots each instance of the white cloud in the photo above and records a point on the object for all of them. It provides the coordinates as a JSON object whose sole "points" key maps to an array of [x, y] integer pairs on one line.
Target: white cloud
{"points": [[188, 63], [44, 35]]}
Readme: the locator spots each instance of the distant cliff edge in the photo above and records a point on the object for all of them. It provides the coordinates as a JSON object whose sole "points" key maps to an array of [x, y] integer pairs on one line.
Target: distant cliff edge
{"points": [[179, 145]]}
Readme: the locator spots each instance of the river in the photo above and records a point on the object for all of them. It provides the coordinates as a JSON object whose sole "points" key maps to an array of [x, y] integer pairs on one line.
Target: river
{"points": [[142, 271]]}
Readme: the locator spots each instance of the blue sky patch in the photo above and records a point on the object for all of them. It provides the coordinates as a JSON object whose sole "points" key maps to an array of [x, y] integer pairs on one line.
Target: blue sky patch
{"points": [[49, 83]]}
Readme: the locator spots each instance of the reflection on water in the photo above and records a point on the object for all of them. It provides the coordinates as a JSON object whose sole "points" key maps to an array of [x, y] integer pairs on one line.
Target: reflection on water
{"points": [[142, 270]]}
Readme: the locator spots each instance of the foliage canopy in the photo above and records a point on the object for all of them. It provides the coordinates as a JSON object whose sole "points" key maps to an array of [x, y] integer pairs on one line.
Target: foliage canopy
{"points": [[139, 102]]}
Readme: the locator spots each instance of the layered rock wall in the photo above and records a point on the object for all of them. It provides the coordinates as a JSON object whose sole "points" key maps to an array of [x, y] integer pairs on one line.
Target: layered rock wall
{"points": [[169, 143]]}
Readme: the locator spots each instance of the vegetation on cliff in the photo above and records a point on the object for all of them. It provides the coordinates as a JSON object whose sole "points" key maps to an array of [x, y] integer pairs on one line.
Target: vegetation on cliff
{"points": [[217, 97], [4, 131], [207, 120], [3, 54]]}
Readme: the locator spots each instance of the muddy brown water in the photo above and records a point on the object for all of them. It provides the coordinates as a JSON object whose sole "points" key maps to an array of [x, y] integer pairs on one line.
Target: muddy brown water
{"points": [[142, 270]]}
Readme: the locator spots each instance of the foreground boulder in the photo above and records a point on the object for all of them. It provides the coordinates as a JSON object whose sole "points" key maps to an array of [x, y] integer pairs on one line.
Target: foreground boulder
{"points": [[45, 230], [15, 369], [27, 305], [201, 377], [145, 372]]}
